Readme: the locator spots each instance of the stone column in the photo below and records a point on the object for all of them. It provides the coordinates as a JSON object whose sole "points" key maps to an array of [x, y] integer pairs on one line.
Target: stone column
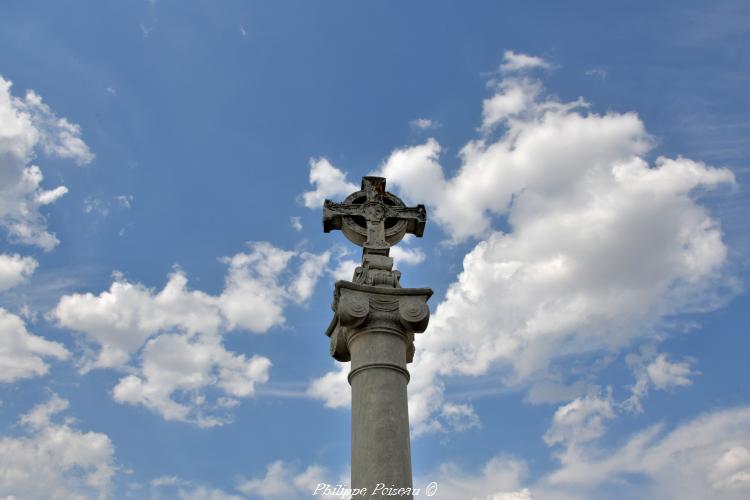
{"points": [[374, 327]]}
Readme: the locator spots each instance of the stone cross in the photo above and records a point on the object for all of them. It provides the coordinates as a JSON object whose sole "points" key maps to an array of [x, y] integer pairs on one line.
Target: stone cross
{"points": [[373, 326], [373, 218]]}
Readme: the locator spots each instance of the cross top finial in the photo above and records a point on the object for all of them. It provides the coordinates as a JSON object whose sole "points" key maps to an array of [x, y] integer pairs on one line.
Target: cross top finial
{"points": [[374, 218]]}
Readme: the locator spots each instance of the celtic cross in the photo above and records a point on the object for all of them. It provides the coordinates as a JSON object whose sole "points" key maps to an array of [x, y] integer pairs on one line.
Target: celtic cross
{"points": [[373, 218]]}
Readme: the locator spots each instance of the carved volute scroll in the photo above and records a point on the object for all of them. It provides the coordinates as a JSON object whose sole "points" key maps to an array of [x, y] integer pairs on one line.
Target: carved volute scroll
{"points": [[403, 311]]}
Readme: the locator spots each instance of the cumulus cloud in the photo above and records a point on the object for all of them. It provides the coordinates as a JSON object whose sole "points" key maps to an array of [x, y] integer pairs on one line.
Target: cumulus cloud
{"points": [[501, 478], [312, 268], [30, 126], [333, 387], [599, 246], [176, 487], [513, 61], [121, 319], [344, 269], [23, 354], [708, 457], [416, 171], [255, 293], [344, 265], [664, 374], [581, 420], [513, 96], [171, 340], [281, 480], [177, 368], [408, 256], [653, 369], [15, 269], [328, 182], [459, 417], [204, 493], [55, 460], [424, 124]]}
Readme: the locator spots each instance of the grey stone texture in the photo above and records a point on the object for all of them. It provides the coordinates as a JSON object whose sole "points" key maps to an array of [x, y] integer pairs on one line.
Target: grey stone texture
{"points": [[373, 327]]}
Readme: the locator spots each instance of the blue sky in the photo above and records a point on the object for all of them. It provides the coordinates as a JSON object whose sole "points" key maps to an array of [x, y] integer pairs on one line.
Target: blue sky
{"points": [[165, 283]]}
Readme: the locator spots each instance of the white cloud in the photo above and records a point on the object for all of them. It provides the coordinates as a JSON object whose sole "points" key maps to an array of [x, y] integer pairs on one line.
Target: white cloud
{"points": [[186, 490], [254, 296], [296, 223], [125, 200], [424, 124], [460, 417], [283, 481], [512, 97], [653, 369], [204, 493], [312, 268], [256, 291], [333, 387], [170, 340], [121, 319], [416, 172], [499, 479], [664, 374], [95, 206], [101, 207], [408, 256], [329, 183], [15, 269], [600, 245], [22, 354], [166, 481], [580, 421], [28, 125], [57, 136], [708, 457], [55, 460], [513, 61], [175, 367], [344, 267]]}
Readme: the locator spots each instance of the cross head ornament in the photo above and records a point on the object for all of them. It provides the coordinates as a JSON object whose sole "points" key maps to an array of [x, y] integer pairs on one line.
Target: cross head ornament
{"points": [[374, 218]]}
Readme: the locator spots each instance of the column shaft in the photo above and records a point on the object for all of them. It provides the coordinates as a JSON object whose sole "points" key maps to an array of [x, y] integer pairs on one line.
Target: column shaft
{"points": [[381, 449]]}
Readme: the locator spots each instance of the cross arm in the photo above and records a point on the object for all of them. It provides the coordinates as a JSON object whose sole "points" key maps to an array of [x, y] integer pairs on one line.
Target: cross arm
{"points": [[415, 217], [333, 214]]}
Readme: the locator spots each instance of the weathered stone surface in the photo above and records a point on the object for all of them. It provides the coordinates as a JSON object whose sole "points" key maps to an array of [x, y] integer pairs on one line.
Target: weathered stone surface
{"points": [[373, 326], [373, 218]]}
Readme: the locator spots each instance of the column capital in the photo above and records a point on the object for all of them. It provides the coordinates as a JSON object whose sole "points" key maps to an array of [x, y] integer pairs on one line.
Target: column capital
{"points": [[359, 309]]}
